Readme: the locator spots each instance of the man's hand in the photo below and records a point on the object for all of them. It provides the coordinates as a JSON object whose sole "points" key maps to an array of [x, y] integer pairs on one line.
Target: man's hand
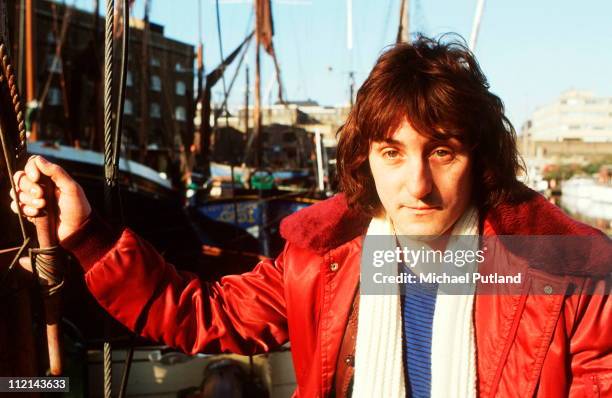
{"points": [[73, 207]]}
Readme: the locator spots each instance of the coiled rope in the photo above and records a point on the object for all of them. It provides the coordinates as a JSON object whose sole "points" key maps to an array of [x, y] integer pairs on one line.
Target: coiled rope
{"points": [[48, 264]]}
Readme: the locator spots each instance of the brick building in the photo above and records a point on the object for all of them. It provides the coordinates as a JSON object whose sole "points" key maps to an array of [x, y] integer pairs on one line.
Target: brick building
{"points": [[65, 86]]}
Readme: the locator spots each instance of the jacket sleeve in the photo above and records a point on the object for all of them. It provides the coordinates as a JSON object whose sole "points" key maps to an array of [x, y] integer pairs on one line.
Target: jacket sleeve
{"points": [[243, 314], [591, 341]]}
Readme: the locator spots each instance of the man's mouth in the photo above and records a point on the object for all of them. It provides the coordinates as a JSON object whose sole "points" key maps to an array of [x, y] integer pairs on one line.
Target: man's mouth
{"points": [[421, 210]]}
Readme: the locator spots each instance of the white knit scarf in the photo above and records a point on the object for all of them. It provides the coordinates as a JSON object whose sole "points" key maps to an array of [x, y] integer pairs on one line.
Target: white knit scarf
{"points": [[378, 358]]}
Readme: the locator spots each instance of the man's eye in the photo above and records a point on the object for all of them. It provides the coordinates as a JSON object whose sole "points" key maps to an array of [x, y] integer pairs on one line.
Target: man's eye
{"points": [[442, 153], [390, 154]]}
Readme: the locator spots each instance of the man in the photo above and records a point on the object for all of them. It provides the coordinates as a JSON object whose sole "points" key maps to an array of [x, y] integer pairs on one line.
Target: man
{"points": [[426, 151]]}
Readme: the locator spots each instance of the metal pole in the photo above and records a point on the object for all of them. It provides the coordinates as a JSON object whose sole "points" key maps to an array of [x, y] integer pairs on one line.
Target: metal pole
{"points": [[403, 33], [30, 65], [21, 66], [320, 172], [349, 24], [257, 107], [476, 24], [246, 106]]}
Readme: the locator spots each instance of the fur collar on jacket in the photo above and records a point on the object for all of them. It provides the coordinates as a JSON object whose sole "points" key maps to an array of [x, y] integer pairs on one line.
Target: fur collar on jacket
{"points": [[330, 223]]}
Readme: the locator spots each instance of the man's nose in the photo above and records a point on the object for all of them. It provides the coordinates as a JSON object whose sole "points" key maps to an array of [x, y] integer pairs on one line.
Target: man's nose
{"points": [[418, 178]]}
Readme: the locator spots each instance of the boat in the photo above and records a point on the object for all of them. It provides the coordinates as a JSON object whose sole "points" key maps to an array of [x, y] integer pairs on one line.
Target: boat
{"points": [[588, 200], [153, 207]]}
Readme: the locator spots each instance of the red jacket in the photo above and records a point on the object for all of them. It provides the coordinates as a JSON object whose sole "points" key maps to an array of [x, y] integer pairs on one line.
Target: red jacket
{"points": [[528, 344]]}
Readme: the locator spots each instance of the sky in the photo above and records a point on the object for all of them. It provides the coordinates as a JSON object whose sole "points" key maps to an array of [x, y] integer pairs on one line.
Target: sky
{"points": [[531, 51]]}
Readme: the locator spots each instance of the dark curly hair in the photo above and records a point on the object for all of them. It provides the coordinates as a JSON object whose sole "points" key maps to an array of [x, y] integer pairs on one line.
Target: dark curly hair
{"points": [[439, 88]]}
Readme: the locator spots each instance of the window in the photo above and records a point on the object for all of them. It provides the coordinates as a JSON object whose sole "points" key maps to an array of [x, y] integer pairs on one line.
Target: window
{"points": [[181, 89], [155, 111], [50, 38], [155, 83], [129, 79], [289, 137], [54, 97], [155, 61], [178, 67], [180, 114], [128, 107]]}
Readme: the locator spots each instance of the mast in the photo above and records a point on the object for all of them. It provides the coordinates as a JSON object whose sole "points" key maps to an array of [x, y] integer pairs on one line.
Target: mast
{"points": [[197, 139], [403, 33], [257, 105], [476, 24], [30, 63], [352, 88], [246, 105], [21, 54], [200, 57], [96, 139], [144, 87]]}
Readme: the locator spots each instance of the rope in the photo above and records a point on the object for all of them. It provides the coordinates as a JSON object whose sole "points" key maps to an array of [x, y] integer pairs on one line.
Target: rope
{"points": [[109, 167], [231, 85], [10, 173], [108, 85], [47, 263], [5, 275], [108, 358]]}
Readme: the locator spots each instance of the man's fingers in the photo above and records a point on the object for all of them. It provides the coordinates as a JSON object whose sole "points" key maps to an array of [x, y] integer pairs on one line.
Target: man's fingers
{"points": [[31, 170], [58, 175], [26, 263], [26, 200], [27, 211], [29, 200], [14, 207], [22, 182], [25, 184]]}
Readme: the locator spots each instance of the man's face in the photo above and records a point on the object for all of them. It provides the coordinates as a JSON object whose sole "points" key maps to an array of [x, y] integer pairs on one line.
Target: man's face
{"points": [[424, 185]]}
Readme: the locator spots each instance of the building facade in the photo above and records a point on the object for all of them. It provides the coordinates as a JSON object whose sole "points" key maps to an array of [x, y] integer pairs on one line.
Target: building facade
{"points": [[577, 125], [159, 101]]}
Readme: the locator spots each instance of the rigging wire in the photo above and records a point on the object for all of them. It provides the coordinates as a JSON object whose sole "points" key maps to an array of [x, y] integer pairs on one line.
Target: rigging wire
{"points": [[108, 172], [116, 151], [231, 85], [117, 155], [247, 32], [220, 40]]}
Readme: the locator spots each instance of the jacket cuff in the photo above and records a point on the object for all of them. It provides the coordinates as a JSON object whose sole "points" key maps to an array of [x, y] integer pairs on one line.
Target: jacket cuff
{"points": [[91, 241]]}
